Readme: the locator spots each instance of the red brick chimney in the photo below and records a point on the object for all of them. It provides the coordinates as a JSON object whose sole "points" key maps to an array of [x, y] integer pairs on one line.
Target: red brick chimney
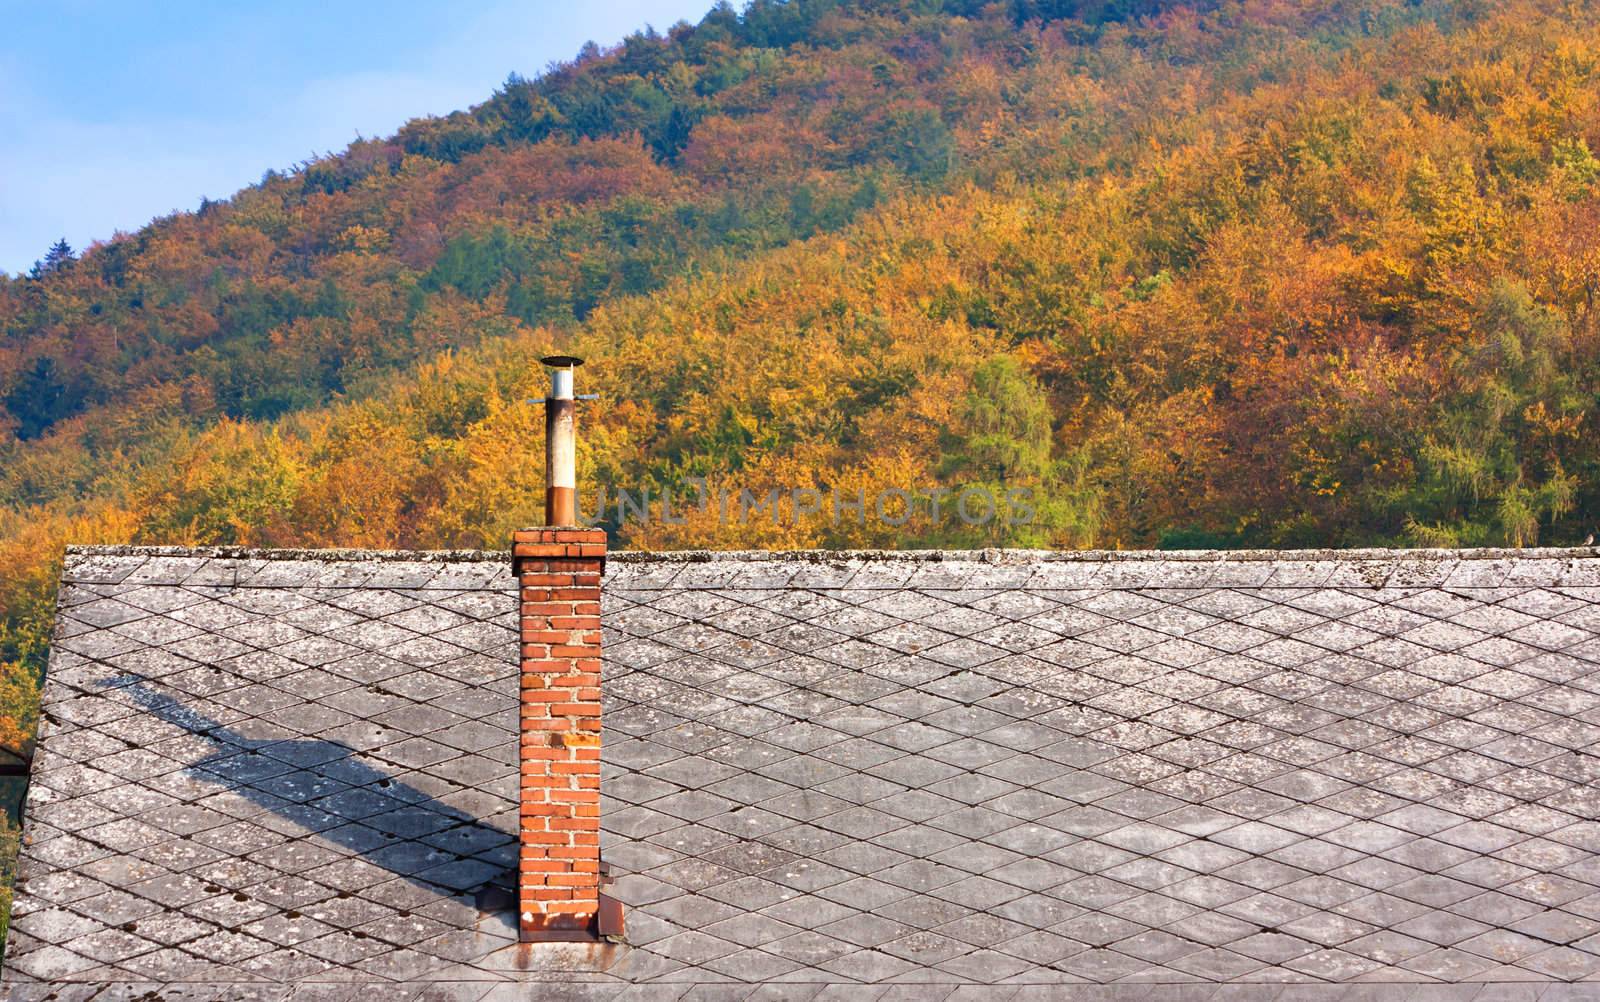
{"points": [[558, 570], [558, 575]]}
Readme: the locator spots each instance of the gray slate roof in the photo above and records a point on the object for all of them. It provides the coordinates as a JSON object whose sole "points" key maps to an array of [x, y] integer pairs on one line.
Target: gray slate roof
{"points": [[860, 776]]}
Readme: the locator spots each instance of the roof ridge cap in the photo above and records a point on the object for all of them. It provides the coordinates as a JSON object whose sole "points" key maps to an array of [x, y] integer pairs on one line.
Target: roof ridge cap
{"points": [[989, 556]]}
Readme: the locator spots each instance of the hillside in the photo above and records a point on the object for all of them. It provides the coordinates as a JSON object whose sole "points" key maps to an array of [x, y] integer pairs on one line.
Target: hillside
{"points": [[1267, 273]]}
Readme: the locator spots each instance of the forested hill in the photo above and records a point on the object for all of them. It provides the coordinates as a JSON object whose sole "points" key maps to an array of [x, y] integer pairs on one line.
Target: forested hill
{"points": [[1278, 272], [604, 177]]}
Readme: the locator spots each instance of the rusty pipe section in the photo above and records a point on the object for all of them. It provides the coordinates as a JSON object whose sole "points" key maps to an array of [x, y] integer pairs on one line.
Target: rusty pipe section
{"points": [[560, 443]]}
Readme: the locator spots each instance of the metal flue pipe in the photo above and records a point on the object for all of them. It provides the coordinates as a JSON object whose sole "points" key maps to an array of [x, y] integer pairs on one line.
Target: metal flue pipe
{"points": [[560, 443]]}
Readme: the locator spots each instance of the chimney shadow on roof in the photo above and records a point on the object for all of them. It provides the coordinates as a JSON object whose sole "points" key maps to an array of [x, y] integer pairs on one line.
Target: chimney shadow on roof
{"points": [[325, 788]]}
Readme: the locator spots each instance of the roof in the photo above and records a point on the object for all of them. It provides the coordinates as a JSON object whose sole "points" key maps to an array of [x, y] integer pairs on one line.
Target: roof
{"points": [[864, 776]]}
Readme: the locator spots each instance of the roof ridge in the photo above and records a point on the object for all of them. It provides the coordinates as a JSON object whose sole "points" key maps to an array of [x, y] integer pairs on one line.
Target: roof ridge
{"points": [[989, 555]]}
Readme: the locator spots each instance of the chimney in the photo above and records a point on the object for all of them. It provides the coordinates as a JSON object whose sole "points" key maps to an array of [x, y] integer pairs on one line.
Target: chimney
{"points": [[558, 568]]}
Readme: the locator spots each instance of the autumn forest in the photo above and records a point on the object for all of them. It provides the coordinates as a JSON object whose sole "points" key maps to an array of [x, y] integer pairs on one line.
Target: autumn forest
{"points": [[1271, 273]]}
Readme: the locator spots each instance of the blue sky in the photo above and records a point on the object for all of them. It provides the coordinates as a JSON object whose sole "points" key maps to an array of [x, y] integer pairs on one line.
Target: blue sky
{"points": [[113, 112]]}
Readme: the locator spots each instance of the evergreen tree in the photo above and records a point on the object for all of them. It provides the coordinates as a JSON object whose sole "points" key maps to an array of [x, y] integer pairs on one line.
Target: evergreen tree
{"points": [[39, 398], [58, 258]]}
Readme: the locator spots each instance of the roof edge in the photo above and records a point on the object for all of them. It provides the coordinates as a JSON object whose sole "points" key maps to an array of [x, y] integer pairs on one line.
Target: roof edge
{"points": [[989, 556]]}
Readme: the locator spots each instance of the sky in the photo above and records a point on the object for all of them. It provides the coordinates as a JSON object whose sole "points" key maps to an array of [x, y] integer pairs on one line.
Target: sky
{"points": [[113, 112]]}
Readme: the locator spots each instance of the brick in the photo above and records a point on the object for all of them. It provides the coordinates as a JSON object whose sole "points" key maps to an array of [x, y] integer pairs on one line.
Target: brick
{"points": [[546, 894], [576, 709], [565, 622], [552, 534], [548, 609], [578, 771], [578, 858], [532, 723], [541, 636], [574, 796], [531, 755], [567, 533], [555, 694], [539, 837], [546, 865], [545, 809], [546, 664], [547, 580], [544, 571]]}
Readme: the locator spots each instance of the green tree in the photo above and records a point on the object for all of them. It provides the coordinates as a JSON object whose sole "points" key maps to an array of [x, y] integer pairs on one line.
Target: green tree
{"points": [[1003, 444], [1484, 478], [57, 259], [40, 398], [921, 144]]}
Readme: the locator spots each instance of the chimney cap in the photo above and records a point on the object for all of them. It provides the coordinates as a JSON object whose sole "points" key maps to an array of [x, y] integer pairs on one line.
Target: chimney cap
{"points": [[562, 361]]}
